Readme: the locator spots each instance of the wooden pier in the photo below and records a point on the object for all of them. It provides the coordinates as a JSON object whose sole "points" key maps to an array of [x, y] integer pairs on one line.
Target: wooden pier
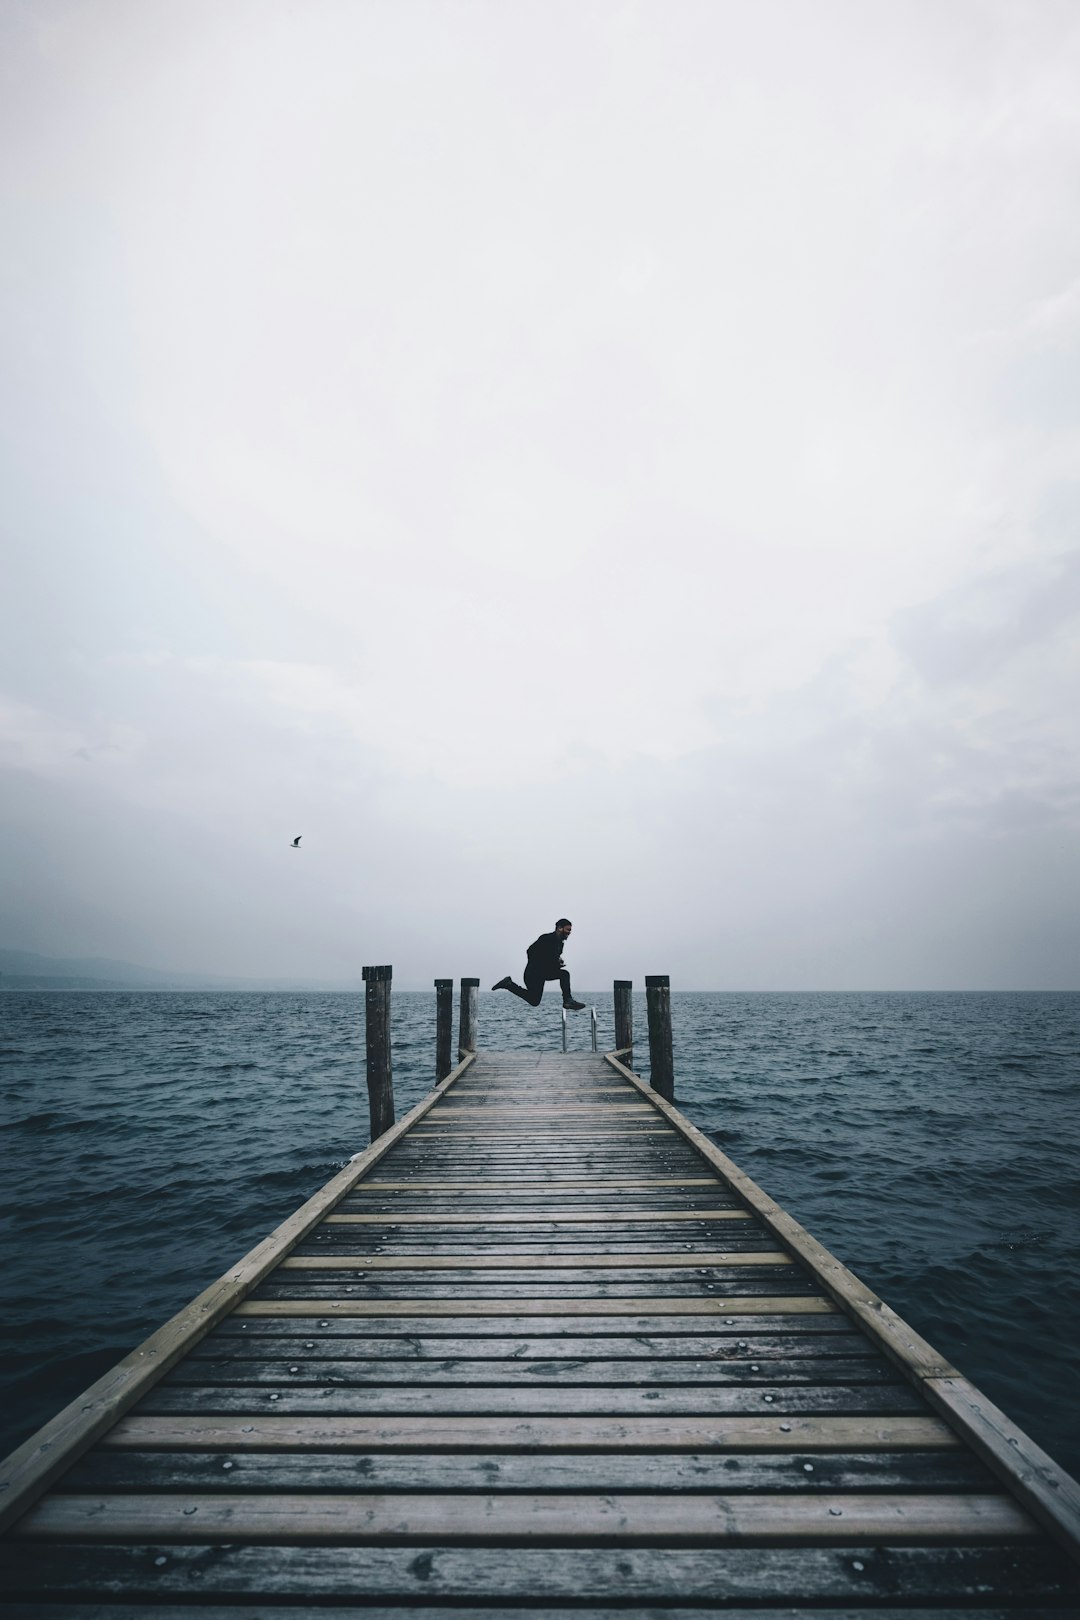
{"points": [[541, 1349]]}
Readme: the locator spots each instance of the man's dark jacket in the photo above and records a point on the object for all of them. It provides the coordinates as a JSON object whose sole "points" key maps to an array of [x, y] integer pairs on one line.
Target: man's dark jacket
{"points": [[545, 955]]}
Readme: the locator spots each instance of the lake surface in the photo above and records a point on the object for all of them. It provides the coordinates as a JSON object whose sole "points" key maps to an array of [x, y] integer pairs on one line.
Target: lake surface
{"points": [[931, 1141]]}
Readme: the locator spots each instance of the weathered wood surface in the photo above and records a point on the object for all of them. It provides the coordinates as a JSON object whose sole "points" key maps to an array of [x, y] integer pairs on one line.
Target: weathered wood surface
{"points": [[380, 1075], [859, 1577], [673, 1519], [444, 1028], [486, 1435], [546, 1358], [467, 1016], [624, 1018], [109, 1471], [661, 1057], [291, 1611]]}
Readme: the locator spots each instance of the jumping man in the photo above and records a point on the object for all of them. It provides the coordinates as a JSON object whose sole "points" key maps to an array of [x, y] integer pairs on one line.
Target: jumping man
{"points": [[545, 962]]}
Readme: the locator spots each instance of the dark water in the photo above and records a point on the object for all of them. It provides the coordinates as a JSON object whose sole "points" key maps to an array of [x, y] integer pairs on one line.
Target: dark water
{"points": [[931, 1141]]}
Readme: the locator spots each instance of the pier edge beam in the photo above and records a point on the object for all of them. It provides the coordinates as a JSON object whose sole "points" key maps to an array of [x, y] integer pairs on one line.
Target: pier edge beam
{"points": [[444, 1027], [467, 1021], [661, 1057], [380, 1077], [624, 1019]]}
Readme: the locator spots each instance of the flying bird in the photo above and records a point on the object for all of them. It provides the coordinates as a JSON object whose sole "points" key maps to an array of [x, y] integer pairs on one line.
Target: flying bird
{"points": [[296, 841]]}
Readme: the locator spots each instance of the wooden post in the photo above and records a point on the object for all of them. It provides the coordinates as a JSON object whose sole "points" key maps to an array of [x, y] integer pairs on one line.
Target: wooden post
{"points": [[444, 1027], [380, 1078], [624, 1019], [467, 1023], [661, 1061]]}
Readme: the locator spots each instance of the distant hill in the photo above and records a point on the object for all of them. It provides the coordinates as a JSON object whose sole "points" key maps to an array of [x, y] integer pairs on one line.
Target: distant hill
{"points": [[25, 970]]}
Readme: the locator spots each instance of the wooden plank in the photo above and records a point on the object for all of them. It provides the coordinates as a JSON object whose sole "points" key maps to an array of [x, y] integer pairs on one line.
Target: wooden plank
{"points": [[447, 1433], [465, 1092], [510, 1276], [550, 1329], [787, 1278], [447, 1133], [473, 1201], [33, 1466], [923, 1471], [514, 1185], [543, 1205], [544, 1400], [507, 1263], [550, 1286], [604, 1217], [515, 1119], [547, 1286], [600, 1148], [526, 1204], [531, 1210], [292, 1611], [635, 1251], [534, 1111], [276, 1371], [691, 1518], [403, 1262], [492, 1213], [720, 1344], [621, 1575], [544, 1096], [540, 1237], [763, 1305], [1041, 1484], [510, 1272]]}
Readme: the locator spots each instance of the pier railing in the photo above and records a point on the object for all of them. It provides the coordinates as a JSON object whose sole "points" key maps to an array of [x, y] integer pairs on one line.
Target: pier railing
{"points": [[379, 1043]]}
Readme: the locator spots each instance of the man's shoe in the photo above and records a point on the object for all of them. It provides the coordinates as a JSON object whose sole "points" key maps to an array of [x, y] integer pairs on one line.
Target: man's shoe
{"points": [[573, 1006], [503, 984]]}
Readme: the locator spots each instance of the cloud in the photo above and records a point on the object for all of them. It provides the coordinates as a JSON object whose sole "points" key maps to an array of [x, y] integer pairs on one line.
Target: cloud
{"points": [[971, 632], [42, 745], [611, 453]]}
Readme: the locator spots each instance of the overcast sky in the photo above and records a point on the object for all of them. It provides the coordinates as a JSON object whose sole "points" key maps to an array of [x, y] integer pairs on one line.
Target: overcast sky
{"points": [[608, 458]]}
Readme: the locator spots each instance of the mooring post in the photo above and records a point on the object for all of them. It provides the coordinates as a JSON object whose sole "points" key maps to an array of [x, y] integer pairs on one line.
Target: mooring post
{"points": [[624, 1019], [444, 1027], [380, 1077], [661, 1061], [467, 1021]]}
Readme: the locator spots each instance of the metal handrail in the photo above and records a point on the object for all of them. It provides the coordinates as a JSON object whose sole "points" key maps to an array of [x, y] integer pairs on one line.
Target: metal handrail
{"points": [[593, 1025]]}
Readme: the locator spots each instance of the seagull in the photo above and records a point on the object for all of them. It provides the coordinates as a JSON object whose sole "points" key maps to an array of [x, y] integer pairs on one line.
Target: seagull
{"points": [[296, 841]]}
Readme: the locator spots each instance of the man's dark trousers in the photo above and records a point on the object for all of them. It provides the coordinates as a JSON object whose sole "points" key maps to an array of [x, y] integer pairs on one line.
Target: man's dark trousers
{"points": [[535, 980]]}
